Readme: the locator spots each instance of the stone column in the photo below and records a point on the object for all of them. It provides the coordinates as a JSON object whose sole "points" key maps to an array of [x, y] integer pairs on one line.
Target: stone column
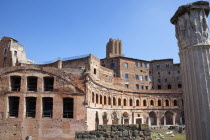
{"points": [[194, 49]]}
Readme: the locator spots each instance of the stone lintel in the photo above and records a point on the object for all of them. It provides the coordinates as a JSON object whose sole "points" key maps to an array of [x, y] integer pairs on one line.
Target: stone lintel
{"points": [[185, 8]]}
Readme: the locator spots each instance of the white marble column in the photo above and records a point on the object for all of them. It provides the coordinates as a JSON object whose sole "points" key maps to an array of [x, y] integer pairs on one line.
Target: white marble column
{"points": [[194, 51]]}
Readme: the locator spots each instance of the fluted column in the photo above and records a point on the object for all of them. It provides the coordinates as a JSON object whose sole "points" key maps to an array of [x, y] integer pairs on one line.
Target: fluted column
{"points": [[194, 51]]}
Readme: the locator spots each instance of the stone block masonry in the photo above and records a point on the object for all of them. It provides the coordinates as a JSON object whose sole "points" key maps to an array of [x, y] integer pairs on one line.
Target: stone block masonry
{"points": [[116, 132]]}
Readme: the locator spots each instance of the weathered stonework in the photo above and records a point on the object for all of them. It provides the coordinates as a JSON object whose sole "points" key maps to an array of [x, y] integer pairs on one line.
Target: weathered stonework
{"points": [[192, 34]]}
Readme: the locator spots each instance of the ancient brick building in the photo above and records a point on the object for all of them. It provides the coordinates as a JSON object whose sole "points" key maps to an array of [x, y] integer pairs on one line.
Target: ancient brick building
{"points": [[52, 101]]}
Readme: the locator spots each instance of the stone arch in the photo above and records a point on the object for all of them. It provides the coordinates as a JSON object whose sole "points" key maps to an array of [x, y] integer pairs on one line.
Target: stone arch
{"points": [[105, 118], [115, 119], [169, 117], [124, 102], [125, 118], [153, 118], [137, 102], [119, 102], [152, 102], [166, 102]]}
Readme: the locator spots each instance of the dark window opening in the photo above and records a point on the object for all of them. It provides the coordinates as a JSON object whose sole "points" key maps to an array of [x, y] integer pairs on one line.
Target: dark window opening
{"points": [[144, 103], [151, 103], [137, 102], [179, 85], [94, 71], [93, 97], [48, 83], [169, 86], [30, 107], [137, 86], [15, 53], [15, 83], [131, 102], [159, 86], [68, 107], [97, 98], [100, 99], [105, 100], [167, 103], [109, 100], [124, 102], [146, 87], [5, 50], [159, 102], [114, 101], [112, 65], [13, 107], [119, 102], [32, 83], [5, 62], [175, 102], [47, 105]]}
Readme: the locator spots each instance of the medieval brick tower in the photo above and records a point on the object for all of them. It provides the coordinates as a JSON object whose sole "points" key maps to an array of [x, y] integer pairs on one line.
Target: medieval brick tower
{"points": [[114, 48]]}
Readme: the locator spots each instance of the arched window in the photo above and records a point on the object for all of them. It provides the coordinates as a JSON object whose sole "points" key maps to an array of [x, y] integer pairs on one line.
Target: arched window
{"points": [[137, 102], [93, 96], [114, 101], [175, 102], [131, 102], [109, 100], [159, 102], [97, 98], [169, 86], [151, 103], [119, 102], [100, 99], [124, 102], [105, 100], [167, 102], [144, 103]]}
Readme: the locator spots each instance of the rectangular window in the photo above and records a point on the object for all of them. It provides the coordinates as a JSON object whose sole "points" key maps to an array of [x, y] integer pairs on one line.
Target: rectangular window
{"points": [[179, 85], [146, 87], [5, 50], [112, 65], [141, 77], [159, 86], [158, 80], [48, 83], [127, 85], [158, 66], [137, 77], [68, 107], [126, 65], [146, 78], [167, 65], [47, 107], [141, 64], [30, 107], [126, 76], [145, 65], [15, 83], [32, 83], [137, 86], [142, 87], [136, 64], [13, 107], [94, 71]]}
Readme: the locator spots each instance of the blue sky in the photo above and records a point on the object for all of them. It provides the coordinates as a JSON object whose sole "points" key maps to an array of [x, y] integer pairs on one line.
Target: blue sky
{"points": [[63, 28]]}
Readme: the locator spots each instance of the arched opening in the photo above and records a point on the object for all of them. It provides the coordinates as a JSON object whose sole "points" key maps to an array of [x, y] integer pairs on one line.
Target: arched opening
{"points": [[175, 102], [105, 119], [93, 96], [169, 86], [137, 102], [125, 118], [100, 99], [167, 102], [109, 100], [169, 118], [151, 103], [159, 102], [119, 102], [114, 118], [131, 102], [124, 102], [114, 101], [144, 103], [97, 98], [153, 118], [105, 100]]}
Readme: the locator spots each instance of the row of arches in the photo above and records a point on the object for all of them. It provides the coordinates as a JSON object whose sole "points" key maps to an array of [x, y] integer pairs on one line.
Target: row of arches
{"points": [[99, 99]]}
